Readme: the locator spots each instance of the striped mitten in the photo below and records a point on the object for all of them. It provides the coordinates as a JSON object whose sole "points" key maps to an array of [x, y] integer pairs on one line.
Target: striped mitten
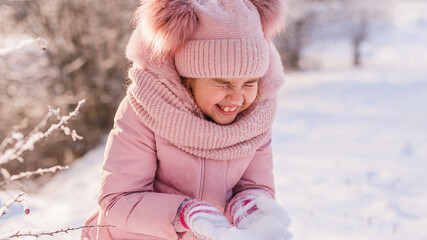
{"points": [[241, 207], [260, 217], [203, 219]]}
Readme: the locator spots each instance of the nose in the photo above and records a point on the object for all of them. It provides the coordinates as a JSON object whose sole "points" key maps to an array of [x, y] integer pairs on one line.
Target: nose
{"points": [[236, 97]]}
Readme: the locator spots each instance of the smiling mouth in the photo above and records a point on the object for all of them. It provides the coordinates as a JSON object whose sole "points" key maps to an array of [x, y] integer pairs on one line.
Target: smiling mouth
{"points": [[227, 109]]}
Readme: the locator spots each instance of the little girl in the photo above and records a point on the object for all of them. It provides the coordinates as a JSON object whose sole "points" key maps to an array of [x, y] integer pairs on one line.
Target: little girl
{"points": [[189, 156]]}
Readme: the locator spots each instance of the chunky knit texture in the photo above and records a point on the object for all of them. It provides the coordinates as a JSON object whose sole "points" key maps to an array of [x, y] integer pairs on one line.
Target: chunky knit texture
{"points": [[166, 26], [228, 42], [232, 58], [165, 106], [163, 112]]}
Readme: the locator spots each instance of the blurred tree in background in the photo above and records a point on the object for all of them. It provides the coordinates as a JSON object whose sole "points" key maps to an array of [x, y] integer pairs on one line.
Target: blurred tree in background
{"points": [[359, 19], [83, 58], [84, 42], [299, 32], [311, 21]]}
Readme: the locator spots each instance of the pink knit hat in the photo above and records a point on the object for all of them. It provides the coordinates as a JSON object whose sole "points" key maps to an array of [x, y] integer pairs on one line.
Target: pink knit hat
{"points": [[228, 42], [211, 38]]}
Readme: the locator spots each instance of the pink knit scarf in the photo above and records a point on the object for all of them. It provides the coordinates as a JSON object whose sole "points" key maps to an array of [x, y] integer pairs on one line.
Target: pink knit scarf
{"points": [[164, 105]]}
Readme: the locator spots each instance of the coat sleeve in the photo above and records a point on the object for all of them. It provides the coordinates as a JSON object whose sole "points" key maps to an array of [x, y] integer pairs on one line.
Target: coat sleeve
{"points": [[127, 196], [258, 177]]}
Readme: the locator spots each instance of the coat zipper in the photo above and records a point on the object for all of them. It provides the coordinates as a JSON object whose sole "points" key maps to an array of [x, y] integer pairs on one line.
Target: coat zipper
{"points": [[202, 178], [202, 183]]}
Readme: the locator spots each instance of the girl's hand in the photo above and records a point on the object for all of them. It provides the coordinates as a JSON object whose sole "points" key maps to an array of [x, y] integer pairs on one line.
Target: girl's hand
{"points": [[261, 218], [207, 222]]}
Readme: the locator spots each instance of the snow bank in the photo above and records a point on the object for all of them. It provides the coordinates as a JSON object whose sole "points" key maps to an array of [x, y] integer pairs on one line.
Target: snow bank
{"points": [[66, 201]]}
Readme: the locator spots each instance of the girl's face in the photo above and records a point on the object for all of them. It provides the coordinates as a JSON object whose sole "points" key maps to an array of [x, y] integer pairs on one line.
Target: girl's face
{"points": [[222, 99]]}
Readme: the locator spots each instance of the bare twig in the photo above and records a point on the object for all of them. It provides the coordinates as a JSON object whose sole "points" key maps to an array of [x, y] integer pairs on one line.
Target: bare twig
{"points": [[7, 204], [10, 136], [24, 144], [37, 235], [37, 172], [63, 120], [40, 171]]}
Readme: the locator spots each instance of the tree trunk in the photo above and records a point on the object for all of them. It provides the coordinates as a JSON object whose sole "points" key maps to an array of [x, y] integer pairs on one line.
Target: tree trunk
{"points": [[356, 53]]}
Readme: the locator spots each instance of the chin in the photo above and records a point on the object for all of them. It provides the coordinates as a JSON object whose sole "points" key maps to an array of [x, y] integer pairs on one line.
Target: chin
{"points": [[224, 122]]}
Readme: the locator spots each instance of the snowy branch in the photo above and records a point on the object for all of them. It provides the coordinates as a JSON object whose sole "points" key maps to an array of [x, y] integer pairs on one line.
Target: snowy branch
{"points": [[62, 121], [7, 204], [42, 43], [37, 235], [9, 179], [23, 144], [37, 172]]}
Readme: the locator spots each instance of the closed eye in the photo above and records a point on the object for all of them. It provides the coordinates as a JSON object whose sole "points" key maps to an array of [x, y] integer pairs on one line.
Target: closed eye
{"points": [[224, 86], [251, 84]]}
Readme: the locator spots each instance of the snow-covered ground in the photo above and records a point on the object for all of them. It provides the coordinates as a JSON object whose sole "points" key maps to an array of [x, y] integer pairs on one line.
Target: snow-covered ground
{"points": [[350, 147], [64, 202], [351, 154]]}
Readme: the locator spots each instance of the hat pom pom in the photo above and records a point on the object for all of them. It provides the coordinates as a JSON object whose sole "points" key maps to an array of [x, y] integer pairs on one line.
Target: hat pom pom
{"points": [[272, 14], [165, 25]]}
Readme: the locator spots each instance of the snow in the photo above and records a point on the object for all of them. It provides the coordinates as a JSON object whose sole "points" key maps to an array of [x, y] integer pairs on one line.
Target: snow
{"points": [[350, 155], [66, 201], [350, 146]]}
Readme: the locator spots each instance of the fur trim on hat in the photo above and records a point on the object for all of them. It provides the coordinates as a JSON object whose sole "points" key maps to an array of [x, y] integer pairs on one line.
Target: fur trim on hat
{"points": [[272, 14], [165, 24]]}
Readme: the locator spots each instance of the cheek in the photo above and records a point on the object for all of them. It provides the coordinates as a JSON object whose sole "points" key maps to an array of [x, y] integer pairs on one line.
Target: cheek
{"points": [[250, 96], [208, 99]]}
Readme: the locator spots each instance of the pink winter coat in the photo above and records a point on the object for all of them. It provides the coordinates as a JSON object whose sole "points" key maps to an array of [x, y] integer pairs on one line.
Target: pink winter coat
{"points": [[146, 178]]}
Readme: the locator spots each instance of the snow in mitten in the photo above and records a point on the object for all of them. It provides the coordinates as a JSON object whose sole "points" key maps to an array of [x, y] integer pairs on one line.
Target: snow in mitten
{"points": [[207, 222], [260, 217]]}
